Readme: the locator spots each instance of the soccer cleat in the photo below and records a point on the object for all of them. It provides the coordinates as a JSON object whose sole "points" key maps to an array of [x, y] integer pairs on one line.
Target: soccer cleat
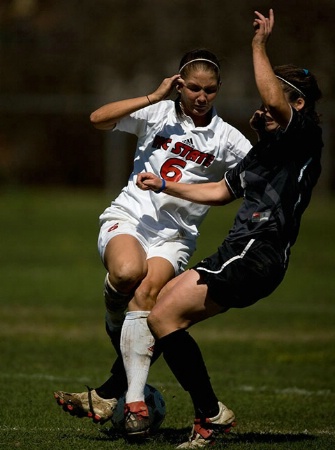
{"points": [[204, 430], [137, 420], [87, 404]]}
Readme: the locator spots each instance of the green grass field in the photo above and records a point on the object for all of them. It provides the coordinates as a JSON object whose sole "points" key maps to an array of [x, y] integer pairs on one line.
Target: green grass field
{"points": [[273, 363]]}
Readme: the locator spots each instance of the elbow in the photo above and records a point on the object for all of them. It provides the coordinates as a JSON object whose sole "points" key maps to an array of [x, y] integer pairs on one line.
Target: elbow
{"points": [[275, 101], [99, 122], [94, 118]]}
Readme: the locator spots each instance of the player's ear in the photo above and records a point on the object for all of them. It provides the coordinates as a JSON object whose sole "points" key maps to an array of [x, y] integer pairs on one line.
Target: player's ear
{"points": [[179, 86], [299, 104]]}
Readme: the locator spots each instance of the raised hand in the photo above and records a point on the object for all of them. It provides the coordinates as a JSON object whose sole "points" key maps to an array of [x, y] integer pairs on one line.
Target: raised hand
{"points": [[165, 88], [263, 27]]}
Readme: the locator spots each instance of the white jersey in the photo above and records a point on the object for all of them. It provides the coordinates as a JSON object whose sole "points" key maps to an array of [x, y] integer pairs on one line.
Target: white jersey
{"points": [[173, 148]]}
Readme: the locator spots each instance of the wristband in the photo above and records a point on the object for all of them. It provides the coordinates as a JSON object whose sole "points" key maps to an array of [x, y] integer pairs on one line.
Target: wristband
{"points": [[162, 187]]}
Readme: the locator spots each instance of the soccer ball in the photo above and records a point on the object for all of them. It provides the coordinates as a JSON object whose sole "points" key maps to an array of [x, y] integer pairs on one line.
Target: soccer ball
{"points": [[156, 406]]}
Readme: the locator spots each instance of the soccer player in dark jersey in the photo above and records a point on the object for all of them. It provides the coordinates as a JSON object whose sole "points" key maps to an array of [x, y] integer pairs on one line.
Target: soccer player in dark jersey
{"points": [[275, 179]]}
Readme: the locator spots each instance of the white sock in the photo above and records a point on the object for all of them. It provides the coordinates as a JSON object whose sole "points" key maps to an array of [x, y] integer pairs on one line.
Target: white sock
{"points": [[136, 347]]}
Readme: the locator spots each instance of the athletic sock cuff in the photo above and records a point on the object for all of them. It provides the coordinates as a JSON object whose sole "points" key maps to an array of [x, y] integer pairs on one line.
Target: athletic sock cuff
{"points": [[114, 293], [131, 315]]}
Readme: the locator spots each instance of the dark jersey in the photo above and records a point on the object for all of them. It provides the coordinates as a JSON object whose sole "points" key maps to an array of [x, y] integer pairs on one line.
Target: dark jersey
{"points": [[276, 179]]}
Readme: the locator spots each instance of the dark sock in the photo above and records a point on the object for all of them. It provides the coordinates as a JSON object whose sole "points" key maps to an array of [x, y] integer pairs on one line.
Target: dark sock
{"points": [[115, 337], [116, 384], [185, 360]]}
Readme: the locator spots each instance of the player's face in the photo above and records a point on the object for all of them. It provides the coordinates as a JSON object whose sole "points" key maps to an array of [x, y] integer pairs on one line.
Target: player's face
{"points": [[269, 123], [198, 92]]}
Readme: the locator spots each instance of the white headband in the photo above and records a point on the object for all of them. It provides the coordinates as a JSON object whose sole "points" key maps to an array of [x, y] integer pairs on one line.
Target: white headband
{"points": [[292, 85], [199, 59]]}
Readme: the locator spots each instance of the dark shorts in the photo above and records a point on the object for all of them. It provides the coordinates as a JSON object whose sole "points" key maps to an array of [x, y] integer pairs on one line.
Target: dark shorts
{"points": [[241, 273]]}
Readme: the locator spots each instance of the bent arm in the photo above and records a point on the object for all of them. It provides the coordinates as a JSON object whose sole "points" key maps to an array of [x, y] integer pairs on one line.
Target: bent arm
{"points": [[106, 117], [212, 194], [268, 85]]}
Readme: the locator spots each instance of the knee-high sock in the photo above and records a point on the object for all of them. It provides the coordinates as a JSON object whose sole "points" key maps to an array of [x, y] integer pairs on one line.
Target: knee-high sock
{"points": [[185, 360], [116, 303], [116, 384], [137, 345]]}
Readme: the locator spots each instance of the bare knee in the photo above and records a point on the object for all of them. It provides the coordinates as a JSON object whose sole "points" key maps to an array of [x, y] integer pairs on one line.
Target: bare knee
{"points": [[126, 263], [125, 275], [161, 323]]}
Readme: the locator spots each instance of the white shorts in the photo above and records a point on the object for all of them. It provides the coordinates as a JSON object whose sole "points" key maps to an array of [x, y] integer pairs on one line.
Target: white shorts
{"points": [[176, 250]]}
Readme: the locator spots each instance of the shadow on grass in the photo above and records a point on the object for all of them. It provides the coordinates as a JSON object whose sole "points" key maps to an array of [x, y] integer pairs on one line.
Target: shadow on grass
{"points": [[176, 436]]}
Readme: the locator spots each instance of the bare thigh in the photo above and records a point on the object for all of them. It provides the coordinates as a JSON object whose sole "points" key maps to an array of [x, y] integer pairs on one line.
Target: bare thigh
{"points": [[183, 302]]}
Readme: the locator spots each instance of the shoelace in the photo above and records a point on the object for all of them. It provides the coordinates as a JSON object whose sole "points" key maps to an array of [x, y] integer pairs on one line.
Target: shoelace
{"points": [[90, 402]]}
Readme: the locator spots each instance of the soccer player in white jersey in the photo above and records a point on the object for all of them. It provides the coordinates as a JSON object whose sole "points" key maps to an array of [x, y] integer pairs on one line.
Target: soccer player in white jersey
{"points": [[146, 239]]}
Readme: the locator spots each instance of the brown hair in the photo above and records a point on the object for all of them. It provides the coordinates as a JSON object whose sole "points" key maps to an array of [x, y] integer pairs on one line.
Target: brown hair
{"points": [[200, 58], [305, 82]]}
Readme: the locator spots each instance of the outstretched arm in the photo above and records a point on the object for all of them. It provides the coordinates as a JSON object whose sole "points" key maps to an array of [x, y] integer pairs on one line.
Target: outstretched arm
{"points": [[204, 193], [268, 85], [108, 115]]}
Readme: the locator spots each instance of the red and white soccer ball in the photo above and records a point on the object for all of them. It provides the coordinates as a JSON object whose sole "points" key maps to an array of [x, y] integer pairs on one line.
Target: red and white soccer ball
{"points": [[156, 406]]}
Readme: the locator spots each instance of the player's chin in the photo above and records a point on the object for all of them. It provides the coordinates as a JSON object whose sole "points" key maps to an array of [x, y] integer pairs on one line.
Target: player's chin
{"points": [[201, 111], [271, 126]]}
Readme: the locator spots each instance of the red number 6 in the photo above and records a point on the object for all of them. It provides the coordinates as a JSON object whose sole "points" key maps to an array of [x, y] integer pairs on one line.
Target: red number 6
{"points": [[170, 169]]}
